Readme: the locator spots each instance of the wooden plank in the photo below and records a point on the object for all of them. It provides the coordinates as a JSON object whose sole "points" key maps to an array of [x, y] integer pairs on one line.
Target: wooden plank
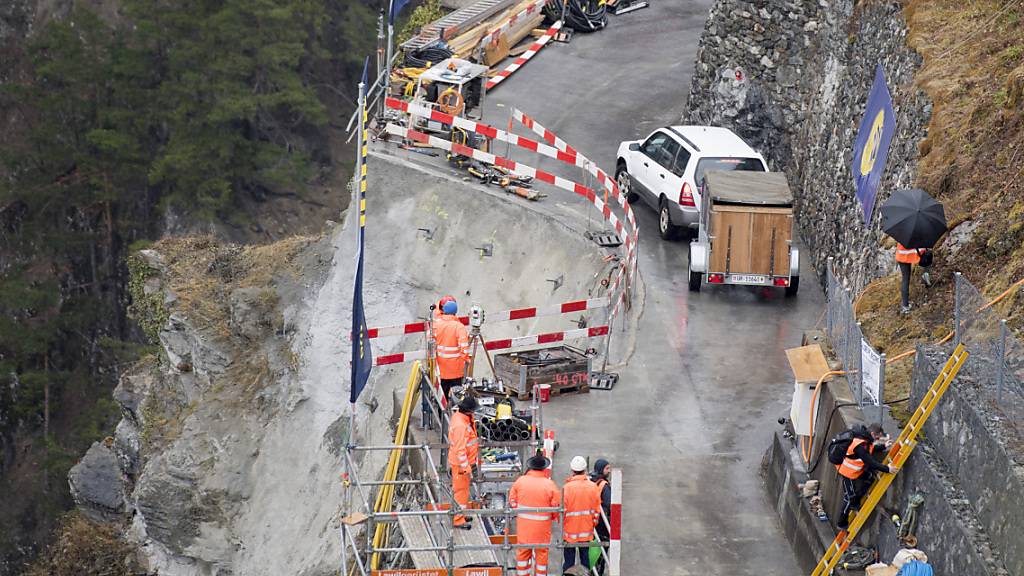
{"points": [[807, 362], [417, 535]]}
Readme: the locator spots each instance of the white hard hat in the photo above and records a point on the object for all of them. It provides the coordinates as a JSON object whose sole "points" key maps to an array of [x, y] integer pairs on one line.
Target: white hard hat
{"points": [[578, 464]]}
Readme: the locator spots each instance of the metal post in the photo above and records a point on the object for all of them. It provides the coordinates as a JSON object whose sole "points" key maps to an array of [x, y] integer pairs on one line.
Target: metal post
{"points": [[881, 387], [386, 86], [830, 297], [859, 373], [380, 58], [608, 338], [1001, 359], [956, 309], [848, 336]]}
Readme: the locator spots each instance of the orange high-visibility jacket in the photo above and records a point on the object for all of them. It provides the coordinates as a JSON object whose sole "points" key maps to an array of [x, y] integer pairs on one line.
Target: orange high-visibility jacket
{"points": [[851, 467], [464, 446], [582, 500], [452, 346], [534, 490], [907, 255]]}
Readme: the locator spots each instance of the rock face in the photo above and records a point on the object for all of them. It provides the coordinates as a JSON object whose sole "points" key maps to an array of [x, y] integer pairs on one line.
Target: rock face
{"points": [[228, 456], [96, 484], [792, 78]]}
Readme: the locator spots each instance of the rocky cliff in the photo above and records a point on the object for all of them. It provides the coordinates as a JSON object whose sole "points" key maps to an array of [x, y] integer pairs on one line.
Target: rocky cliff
{"points": [[228, 457], [792, 78]]}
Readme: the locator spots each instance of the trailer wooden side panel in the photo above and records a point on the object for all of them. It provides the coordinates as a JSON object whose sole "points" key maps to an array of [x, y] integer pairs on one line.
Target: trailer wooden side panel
{"points": [[750, 240]]}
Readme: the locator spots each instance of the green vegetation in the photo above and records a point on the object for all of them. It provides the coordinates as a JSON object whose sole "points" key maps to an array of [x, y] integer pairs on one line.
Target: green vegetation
{"points": [[424, 14], [195, 107], [84, 548], [972, 161]]}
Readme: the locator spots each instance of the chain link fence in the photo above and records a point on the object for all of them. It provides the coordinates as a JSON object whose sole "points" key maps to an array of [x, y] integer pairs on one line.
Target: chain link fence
{"points": [[997, 357], [867, 383]]}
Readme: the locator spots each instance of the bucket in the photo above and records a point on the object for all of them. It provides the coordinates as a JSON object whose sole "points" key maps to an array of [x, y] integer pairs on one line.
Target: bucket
{"points": [[545, 392]]}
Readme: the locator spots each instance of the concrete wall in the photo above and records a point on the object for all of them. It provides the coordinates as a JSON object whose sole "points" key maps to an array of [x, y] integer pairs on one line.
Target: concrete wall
{"points": [[792, 79]]}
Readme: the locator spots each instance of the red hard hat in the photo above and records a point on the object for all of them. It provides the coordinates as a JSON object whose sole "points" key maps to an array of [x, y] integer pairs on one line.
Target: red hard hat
{"points": [[442, 301]]}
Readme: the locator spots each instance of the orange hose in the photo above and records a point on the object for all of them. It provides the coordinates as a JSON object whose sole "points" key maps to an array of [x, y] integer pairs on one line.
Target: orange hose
{"points": [[805, 449]]}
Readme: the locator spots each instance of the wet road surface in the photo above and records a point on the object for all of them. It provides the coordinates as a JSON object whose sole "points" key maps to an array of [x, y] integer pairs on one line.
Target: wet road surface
{"points": [[694, 411]]}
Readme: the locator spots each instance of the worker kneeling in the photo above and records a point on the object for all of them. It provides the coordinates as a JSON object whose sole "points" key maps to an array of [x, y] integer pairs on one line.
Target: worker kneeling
{"points": [[582, 501], [858, 466], [463, 451], [534, 490]]}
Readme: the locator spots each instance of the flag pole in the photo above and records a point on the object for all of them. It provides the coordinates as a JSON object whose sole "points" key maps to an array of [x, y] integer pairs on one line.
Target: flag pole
{"points": [[359, 321]]}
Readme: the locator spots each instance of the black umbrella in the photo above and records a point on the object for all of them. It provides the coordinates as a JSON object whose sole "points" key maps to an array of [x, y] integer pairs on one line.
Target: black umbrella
{"points": [[913, 218]]}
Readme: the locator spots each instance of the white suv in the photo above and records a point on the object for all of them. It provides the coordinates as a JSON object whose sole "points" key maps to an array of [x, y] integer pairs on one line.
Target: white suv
{"points": [[667, 170]]}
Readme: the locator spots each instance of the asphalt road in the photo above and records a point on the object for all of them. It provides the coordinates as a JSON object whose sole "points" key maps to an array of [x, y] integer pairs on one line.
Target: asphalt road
{"points": [[694, 411]]}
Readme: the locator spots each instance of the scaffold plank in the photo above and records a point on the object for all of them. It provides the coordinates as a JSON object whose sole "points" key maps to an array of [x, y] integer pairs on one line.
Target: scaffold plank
{"points": [[417, 535]]}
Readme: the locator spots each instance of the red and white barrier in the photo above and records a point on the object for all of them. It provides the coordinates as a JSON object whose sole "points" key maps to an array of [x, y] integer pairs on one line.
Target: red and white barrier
{"points": [[487, 131], [503, 344], [503, 316], [548, 136], [615, 525], [549, 338], [517, 168], [530, 53], [608, 182]]}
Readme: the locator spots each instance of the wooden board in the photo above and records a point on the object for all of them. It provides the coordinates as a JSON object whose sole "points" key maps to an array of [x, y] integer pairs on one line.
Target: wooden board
{"points": [[742, 240], [807, 362]]}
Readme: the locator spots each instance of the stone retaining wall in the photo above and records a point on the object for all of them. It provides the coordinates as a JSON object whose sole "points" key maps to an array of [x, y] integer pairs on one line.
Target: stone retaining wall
{"points": [[792, 79]]}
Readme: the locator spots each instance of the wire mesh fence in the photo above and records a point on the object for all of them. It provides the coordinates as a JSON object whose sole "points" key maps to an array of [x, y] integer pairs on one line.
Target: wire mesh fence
{"points": [[867, 383], [997, 357]]}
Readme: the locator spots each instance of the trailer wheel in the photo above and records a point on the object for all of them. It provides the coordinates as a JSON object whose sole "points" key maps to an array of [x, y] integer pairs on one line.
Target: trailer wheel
{"points": [[695, 279], [794, 285]]}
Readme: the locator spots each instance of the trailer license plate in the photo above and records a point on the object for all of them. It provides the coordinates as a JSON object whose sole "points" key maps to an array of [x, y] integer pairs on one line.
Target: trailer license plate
{"points": [[748, 279]]}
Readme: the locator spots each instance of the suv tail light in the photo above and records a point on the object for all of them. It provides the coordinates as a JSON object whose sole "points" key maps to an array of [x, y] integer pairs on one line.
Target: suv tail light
{"points": [[686, 196]]}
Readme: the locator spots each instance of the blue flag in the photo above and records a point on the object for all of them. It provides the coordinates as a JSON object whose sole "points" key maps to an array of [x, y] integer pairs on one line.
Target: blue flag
{"points": [[871, 147], [362, 355], [396, 7]]}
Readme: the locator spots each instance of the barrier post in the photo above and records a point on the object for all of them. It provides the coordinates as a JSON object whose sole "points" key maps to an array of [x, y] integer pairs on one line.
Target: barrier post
{"points": [[608, 338], [615, 529], [830, 299], [1001, 360], [881, 386], [956, 308]]}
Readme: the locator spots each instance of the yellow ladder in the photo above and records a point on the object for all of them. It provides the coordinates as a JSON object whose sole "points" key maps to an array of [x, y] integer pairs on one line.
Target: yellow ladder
{"points": [[897, 456]]}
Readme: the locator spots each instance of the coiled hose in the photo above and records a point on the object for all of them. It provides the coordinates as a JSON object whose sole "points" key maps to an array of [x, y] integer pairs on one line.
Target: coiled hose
{"points": [[580, 15], [427, 57]]}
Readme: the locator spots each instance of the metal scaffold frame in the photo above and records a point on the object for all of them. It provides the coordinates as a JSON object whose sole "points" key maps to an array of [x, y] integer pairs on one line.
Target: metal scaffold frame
{"points": [[435, 509]]}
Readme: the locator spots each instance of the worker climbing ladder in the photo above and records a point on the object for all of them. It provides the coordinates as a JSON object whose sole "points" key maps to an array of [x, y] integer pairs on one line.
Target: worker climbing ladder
{"points": [[897, 457]]}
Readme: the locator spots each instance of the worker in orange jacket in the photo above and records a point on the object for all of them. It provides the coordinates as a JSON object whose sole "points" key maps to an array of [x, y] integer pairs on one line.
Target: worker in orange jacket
{"points": [[906, 258], [858, 467], [582, 500], [452, 341], [463, 453], [534, 490]]}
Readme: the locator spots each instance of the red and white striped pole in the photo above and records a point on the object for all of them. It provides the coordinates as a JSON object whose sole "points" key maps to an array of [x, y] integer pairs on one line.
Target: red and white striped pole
{"points": [[615, 525]]}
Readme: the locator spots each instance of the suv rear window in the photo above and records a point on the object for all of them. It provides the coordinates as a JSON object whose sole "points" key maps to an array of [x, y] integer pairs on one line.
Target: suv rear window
{"points": [[725, 165]]}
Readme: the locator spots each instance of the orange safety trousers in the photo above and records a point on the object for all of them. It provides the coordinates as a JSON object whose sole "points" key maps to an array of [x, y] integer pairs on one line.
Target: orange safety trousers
{"points": [[531, 561], [460, 485]]}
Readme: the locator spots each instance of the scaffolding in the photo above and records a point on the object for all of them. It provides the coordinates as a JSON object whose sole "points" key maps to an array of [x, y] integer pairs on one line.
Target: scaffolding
{"points": [[419, 538]]}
